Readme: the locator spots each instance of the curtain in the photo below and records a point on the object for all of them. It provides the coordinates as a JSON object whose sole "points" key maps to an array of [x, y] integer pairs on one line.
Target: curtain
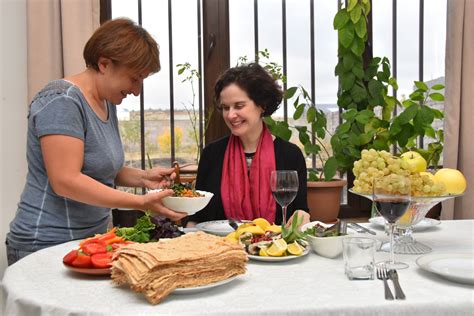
{"points": [[459, 106], [57, 32]]}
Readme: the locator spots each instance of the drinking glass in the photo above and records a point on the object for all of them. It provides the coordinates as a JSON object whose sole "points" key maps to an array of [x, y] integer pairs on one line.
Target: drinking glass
{"points": [[284, 186], [391, 195]]}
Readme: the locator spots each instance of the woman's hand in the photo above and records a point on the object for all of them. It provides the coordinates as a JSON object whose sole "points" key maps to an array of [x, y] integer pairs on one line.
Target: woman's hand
{"points": [[301, 214], [158, 178], [152, 202], [190, 224]]}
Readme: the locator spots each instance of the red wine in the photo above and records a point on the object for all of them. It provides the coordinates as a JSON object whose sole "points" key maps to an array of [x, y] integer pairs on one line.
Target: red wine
{"points": [[392, 208], [284, 197]]}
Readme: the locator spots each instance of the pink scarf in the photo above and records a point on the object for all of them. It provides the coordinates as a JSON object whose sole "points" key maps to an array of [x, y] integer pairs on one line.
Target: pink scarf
{"points": [[247, 196]]}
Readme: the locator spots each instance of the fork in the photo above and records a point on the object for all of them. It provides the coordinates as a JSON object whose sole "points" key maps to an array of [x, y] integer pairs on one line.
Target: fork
{"points": [[382, 275]]}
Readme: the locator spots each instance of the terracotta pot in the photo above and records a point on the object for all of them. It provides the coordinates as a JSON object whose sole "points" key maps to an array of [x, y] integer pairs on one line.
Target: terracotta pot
{"points": [[324, 199]]}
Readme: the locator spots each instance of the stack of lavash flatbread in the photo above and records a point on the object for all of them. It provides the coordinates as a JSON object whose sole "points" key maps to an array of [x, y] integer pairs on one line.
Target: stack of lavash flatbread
{"points": [[195, 259]]}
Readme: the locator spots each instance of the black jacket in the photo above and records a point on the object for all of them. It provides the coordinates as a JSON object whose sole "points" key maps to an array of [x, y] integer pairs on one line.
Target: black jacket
{"points": [[287, 157]]}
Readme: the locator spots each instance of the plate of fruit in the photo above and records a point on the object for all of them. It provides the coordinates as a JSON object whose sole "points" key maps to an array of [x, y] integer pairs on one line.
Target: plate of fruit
{"points": [[271, 243]]}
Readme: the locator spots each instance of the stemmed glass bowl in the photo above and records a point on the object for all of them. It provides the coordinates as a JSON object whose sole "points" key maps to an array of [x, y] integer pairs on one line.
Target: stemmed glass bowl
{"points": [[405, 243], [419, 206]]}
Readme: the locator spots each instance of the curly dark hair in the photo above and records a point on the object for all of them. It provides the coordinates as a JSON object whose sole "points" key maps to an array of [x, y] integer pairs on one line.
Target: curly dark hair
{"points": [[256, 82]]}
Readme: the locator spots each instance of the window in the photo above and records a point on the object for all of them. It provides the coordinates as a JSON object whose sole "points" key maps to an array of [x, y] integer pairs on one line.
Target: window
{"points": [[211, 35]]}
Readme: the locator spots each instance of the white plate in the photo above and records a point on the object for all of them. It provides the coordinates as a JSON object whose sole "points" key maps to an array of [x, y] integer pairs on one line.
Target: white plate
{"points": [[458, 267], [425, 223], [192, 290], [220, 228], [278, 259]]}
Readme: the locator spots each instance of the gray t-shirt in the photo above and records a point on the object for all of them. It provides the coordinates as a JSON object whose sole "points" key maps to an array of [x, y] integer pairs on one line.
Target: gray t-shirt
{"points": [[44, 218]]}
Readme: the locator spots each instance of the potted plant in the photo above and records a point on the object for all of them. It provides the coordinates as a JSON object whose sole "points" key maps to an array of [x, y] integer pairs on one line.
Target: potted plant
{"points": [[371, 117], [323, 189]]}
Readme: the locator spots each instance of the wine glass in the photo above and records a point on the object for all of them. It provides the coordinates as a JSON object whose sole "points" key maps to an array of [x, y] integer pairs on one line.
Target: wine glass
{"points": [[284, 186], [391, 195]]}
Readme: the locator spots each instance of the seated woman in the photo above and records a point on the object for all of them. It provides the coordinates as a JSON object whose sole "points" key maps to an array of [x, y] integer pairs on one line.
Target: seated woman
{"points": [[237, 168]]}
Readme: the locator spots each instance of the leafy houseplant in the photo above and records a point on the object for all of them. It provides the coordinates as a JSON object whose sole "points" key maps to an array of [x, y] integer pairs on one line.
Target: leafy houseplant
{"points": [[190, 75], [323, 190], [315, 118], [369, 118]]}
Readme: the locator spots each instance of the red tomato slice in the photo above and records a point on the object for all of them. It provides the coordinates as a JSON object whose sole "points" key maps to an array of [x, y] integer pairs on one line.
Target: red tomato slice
{"points": [[94, 247], [116, 245], [102, 260], [82, 261], [70, 257]]}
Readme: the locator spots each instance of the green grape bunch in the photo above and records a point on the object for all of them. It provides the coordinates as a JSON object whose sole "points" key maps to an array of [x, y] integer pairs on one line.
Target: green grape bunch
{"points": [[376, 164]]}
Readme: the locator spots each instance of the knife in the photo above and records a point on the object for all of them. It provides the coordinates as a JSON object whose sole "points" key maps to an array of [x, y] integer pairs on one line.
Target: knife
{"points": [[393, 275], [233, 224], [356, 226]]}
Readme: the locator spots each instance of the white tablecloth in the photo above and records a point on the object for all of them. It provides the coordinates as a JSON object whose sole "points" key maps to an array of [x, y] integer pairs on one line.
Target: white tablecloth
{"points": [[40, 285]]}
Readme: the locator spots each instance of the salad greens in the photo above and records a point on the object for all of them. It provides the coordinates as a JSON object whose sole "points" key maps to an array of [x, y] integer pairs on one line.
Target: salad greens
{"points": [[139, 232], [150, 228], [292, 233], [321, 231]]}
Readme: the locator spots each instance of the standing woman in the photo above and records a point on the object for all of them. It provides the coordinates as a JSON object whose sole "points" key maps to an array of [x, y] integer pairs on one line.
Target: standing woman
{"points": [[237, 168], [74, 151]]}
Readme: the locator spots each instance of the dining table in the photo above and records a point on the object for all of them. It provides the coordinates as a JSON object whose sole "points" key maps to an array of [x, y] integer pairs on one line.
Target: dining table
{"points": [[40, 284]]}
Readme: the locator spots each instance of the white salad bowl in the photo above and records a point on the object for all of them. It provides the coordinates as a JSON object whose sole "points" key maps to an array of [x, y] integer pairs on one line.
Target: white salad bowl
{"points": [[329, 247], [189, 205]]}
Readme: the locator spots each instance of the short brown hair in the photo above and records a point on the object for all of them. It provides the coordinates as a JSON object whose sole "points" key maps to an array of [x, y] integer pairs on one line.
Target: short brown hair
{"points": [[125, 43], [259, 85]]}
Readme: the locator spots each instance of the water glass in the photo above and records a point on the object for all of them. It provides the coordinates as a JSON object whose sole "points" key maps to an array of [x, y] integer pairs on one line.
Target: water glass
{"points": [[358, 253]]}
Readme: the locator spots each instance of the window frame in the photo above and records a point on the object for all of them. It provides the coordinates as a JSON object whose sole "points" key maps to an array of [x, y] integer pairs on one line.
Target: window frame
{"points": [[216, 59]]}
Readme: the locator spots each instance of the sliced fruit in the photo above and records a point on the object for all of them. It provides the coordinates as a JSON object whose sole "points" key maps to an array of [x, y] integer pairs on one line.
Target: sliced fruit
{"points": [[102, 260], [232, 237], [263, 252], [295, 249], [70, 257], [243, 225], [278, 248], [262, 223], [254, 230], [93, 247], [274, 228], [82, 261]]}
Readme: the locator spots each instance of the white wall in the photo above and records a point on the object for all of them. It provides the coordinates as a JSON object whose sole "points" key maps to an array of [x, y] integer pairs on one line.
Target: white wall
{"points": [[13, 113]]}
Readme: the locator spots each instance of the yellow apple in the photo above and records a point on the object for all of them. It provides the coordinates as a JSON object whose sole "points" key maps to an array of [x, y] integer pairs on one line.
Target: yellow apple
{"points": [[453, 179], [415, 161]]}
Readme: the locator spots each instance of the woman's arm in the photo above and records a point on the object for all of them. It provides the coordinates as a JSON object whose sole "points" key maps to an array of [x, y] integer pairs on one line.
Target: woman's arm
{"points": [[151, 178], [63, 157]]}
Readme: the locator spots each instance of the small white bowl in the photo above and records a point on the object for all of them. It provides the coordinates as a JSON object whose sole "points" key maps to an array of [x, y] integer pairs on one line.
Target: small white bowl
{"points": [[329, 247], [189, 205]]}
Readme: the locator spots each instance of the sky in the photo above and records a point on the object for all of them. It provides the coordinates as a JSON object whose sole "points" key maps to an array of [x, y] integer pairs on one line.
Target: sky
{"points": [[185, 42]]}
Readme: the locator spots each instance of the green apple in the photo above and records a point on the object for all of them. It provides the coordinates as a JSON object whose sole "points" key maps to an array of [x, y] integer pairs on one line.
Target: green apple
{"points": [[416, 162]]}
